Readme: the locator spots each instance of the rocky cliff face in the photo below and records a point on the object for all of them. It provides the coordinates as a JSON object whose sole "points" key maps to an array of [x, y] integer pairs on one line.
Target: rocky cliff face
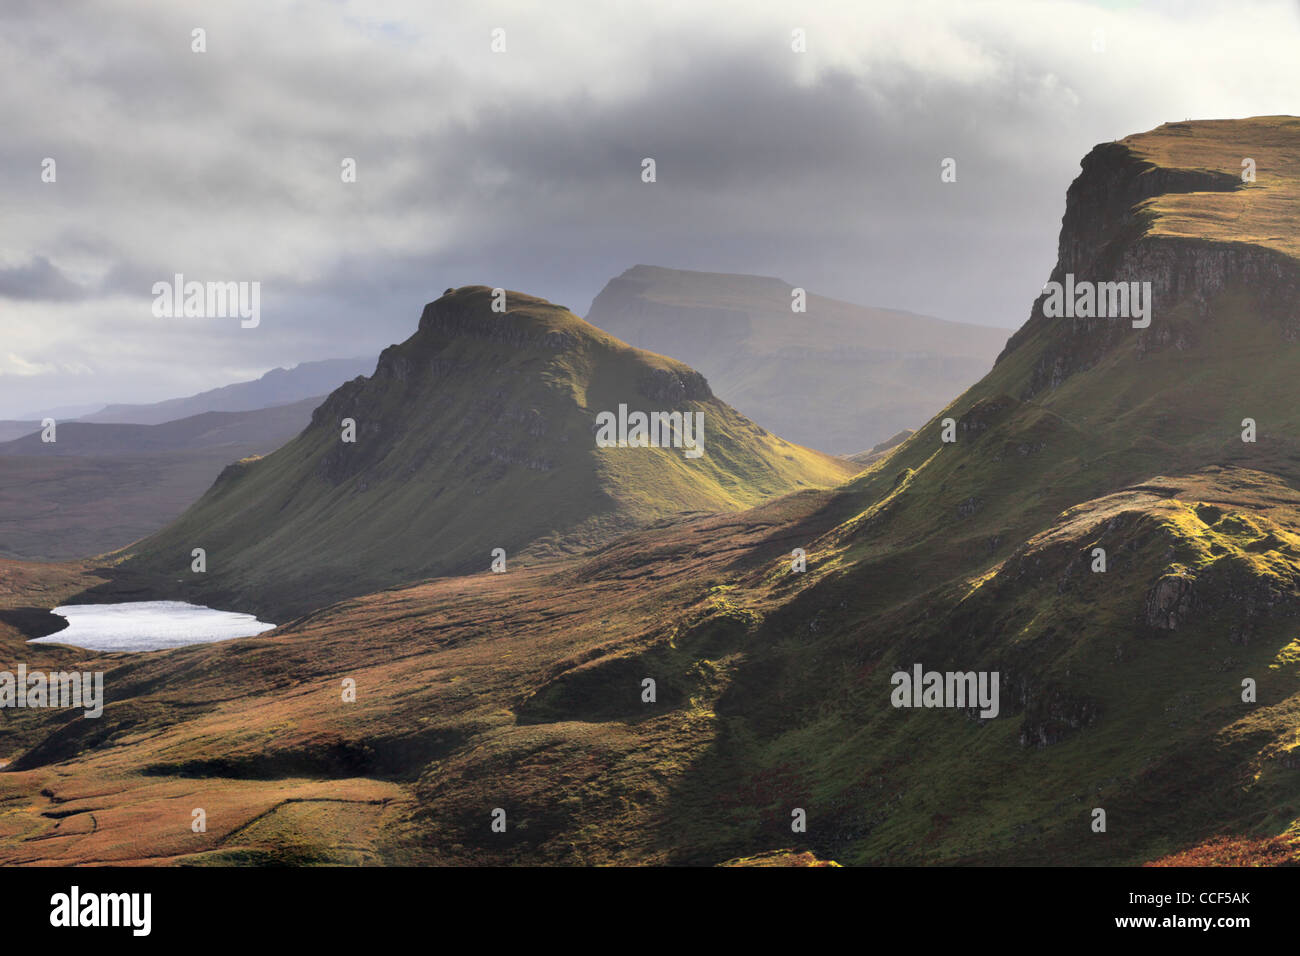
{"points": [[462, 315], [623, 308], [1107, 236], [1097, 529]]}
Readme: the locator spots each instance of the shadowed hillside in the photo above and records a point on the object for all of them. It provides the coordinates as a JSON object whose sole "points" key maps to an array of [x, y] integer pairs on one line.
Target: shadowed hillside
{"points": [[99, 487]]}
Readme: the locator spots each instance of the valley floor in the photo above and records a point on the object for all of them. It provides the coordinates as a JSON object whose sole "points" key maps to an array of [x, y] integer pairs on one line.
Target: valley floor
{"points": [[523, 693]]}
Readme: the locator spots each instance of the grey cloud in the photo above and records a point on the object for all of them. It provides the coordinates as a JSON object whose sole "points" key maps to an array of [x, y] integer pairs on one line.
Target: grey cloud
{"points": [[225, 166], [39, 279]]}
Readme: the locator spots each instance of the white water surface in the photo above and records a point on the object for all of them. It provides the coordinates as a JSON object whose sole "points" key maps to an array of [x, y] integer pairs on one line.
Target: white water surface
{"points": [[149, 626]]}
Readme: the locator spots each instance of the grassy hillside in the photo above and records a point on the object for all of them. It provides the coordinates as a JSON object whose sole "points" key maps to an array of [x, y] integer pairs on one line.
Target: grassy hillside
{"points": [[1259, 214], [523, 691], [1120, 689], [839, 377], [1124, 686], [477, 433]]}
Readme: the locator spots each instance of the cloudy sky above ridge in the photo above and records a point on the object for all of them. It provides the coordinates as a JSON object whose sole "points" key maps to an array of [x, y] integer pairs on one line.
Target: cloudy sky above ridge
{"points": [[523, 168]]}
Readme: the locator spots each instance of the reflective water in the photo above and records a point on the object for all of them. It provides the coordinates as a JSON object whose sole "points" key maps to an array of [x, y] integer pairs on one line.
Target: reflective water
{"points": [[149, 625]]}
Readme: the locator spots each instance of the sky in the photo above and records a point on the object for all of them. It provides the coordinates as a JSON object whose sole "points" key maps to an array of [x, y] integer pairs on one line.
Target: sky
{"points": [[521, 167]]}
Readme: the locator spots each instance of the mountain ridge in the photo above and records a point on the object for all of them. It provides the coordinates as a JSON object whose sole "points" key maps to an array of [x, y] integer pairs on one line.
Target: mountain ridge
{"points": [[99, 487], [279, 386], [838, 376]]}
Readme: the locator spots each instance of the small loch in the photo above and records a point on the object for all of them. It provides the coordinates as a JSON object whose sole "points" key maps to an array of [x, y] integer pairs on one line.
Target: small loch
{"points": [[149, 626]]}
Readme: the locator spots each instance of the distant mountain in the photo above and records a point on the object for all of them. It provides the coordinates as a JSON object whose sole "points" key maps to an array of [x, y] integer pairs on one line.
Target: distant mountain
{"points": [[838, 377], [125, 471], [100, 487], [28, 422], [62, 412], [9, 430], [479, 432], [880, 449], [277, 387], [261, 426]]}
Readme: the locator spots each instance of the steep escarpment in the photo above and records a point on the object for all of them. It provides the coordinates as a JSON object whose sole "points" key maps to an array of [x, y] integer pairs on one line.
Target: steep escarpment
{"points": [[478, 433], [834, 376], [1109, 521], [1170, 209]]}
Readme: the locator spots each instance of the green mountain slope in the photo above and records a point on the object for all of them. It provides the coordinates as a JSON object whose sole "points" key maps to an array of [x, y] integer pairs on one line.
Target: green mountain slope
{"points": [[1121, 689], [477, 433]]}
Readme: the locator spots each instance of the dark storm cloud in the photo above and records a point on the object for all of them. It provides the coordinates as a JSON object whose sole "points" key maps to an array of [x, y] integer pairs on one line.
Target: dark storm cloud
{"points": [[524, 170], [823, 183]]}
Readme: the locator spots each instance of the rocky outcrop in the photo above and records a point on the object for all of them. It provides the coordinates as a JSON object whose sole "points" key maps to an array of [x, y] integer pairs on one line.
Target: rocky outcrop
{"points": [[1052, 713], [1170, 602], [671, 387], [984, 414], [1106, 237], [1102, 204], [460, 315]]}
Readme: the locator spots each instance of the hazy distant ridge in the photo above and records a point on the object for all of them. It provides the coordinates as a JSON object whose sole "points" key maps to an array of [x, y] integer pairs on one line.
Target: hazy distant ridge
{"points": [[839, 377], [277, 387]]}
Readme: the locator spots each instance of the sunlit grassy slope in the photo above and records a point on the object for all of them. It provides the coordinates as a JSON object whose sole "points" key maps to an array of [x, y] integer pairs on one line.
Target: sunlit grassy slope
{"points": [[477, 433], [1260, 213]]}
